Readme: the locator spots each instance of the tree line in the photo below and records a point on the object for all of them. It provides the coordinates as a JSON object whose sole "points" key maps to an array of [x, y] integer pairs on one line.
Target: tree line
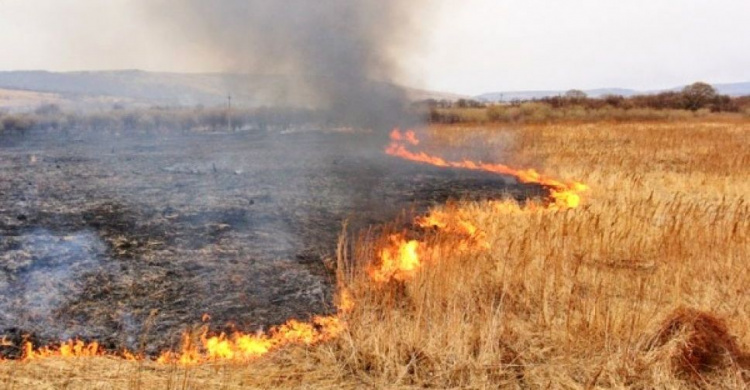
{"points": [[696, 97]]}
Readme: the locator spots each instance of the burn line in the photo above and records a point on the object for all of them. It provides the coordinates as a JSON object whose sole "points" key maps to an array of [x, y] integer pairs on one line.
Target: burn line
{"points": [[398, 261]]}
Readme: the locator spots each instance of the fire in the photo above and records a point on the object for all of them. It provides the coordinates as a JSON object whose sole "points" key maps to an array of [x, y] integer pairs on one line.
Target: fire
{"points": [[68, 349], [408, 136], [455, 222], [345, 300], [238, 347], [563, 195], [243, 347], [399, 260], [458, 224]]}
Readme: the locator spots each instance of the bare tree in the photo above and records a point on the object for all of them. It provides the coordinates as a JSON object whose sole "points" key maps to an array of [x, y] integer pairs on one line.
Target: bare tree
{"points": [[698, 95], [575, 94]]}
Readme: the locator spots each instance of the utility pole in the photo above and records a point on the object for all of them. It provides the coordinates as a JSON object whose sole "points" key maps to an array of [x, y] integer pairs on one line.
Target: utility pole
{"points": [[229, 113]]}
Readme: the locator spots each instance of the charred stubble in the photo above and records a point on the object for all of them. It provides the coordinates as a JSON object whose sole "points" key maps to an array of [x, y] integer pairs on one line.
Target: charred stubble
{"points": [[131, 248]]}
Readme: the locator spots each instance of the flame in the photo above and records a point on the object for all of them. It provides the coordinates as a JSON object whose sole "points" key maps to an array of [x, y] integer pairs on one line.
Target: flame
{"points": [[238, 347], [68, 349], [246, 347], [455, 222], [458, 224], [345, 301], [563, 195], [409, 136], [400, 259]]}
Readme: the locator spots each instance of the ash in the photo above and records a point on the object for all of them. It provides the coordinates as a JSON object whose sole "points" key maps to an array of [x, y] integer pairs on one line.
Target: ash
{"points": [[129, 240]]}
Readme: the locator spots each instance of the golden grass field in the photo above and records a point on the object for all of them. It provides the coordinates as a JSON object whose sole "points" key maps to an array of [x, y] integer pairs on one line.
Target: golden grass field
{"points": [[645, 285]]}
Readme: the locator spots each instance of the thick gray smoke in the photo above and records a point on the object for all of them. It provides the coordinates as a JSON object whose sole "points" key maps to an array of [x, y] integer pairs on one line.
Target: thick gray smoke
{"points": [[341, 55]]}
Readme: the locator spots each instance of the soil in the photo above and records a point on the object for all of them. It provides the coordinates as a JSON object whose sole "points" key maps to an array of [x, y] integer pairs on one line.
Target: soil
{"points": [[130, 239]]}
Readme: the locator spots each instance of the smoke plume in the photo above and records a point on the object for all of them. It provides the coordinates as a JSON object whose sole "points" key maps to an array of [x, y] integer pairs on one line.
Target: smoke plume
{"points": [[342, 56]]}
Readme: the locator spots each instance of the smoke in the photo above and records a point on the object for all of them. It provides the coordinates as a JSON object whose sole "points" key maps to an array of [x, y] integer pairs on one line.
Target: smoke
{"points": [[342, 56], [42, 271]]}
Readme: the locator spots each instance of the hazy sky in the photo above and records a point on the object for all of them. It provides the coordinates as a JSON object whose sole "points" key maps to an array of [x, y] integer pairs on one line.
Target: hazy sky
{"points": [[469, 46]]}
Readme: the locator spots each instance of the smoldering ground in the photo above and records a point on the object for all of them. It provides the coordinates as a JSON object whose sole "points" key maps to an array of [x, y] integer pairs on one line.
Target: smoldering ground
{"points": [[129, 239]]}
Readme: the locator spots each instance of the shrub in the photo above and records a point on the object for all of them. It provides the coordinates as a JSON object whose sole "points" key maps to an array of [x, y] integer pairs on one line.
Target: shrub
{"points": [[18, 123]]}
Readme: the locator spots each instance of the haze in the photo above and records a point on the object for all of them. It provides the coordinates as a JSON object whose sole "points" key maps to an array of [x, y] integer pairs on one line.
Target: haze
{"points": [[469, 47]]}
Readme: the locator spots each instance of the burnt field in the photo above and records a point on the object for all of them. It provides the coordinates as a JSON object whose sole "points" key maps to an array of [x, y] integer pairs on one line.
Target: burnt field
{"points": [[129, 239]]}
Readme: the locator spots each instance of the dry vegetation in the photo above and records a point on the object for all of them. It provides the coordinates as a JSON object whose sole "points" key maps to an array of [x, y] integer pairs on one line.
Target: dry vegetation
{"points": [[695, 101], [12, 99], [538, 112], [646, 285]]}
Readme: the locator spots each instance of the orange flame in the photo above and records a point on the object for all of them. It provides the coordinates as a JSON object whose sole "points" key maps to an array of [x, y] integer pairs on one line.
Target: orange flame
{"points": [[563, 195], [409, 136], [399, 260], [68, 349], [345, 301], [237, 347], [245, 347], [458, 224]]}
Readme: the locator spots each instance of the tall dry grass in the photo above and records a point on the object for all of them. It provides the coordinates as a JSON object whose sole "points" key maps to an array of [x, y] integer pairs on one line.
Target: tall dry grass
{"points": [[646, 285]]}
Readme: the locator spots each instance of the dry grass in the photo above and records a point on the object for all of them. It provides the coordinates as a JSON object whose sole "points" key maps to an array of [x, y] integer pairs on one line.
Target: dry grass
{"points": [[12, 99], [647, 285], [543, 113]]}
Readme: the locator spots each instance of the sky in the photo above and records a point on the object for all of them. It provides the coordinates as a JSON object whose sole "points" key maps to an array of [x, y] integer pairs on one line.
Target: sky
{"points": [[465, 46]]}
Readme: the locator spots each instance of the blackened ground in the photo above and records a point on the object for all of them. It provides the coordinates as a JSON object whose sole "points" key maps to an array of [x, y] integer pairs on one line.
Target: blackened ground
{"points": [[129, 240]]}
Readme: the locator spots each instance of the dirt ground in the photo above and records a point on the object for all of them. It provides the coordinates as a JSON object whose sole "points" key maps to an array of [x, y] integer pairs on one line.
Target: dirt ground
{"points": [[130, 239]]}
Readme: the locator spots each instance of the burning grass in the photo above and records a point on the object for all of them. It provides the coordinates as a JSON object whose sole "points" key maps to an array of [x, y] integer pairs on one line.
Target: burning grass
{"points": [[645, 284]]}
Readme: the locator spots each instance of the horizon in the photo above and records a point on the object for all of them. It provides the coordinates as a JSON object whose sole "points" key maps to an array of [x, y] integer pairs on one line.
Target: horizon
{"points": [[540, 90]]}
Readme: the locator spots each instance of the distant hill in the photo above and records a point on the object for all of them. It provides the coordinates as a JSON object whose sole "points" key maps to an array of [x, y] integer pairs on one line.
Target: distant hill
{"points": [[134, 87], [731, 89], [734, 89], [24, 90], [100, 89]]}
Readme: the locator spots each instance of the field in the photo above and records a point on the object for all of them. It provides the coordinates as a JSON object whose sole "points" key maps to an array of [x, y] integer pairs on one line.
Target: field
{"points": [[129, 239], [14, 99], [645, 285]]}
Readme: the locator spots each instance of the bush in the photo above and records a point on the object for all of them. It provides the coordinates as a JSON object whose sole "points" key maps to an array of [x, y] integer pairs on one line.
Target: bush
{"points": [[17, 123]]}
